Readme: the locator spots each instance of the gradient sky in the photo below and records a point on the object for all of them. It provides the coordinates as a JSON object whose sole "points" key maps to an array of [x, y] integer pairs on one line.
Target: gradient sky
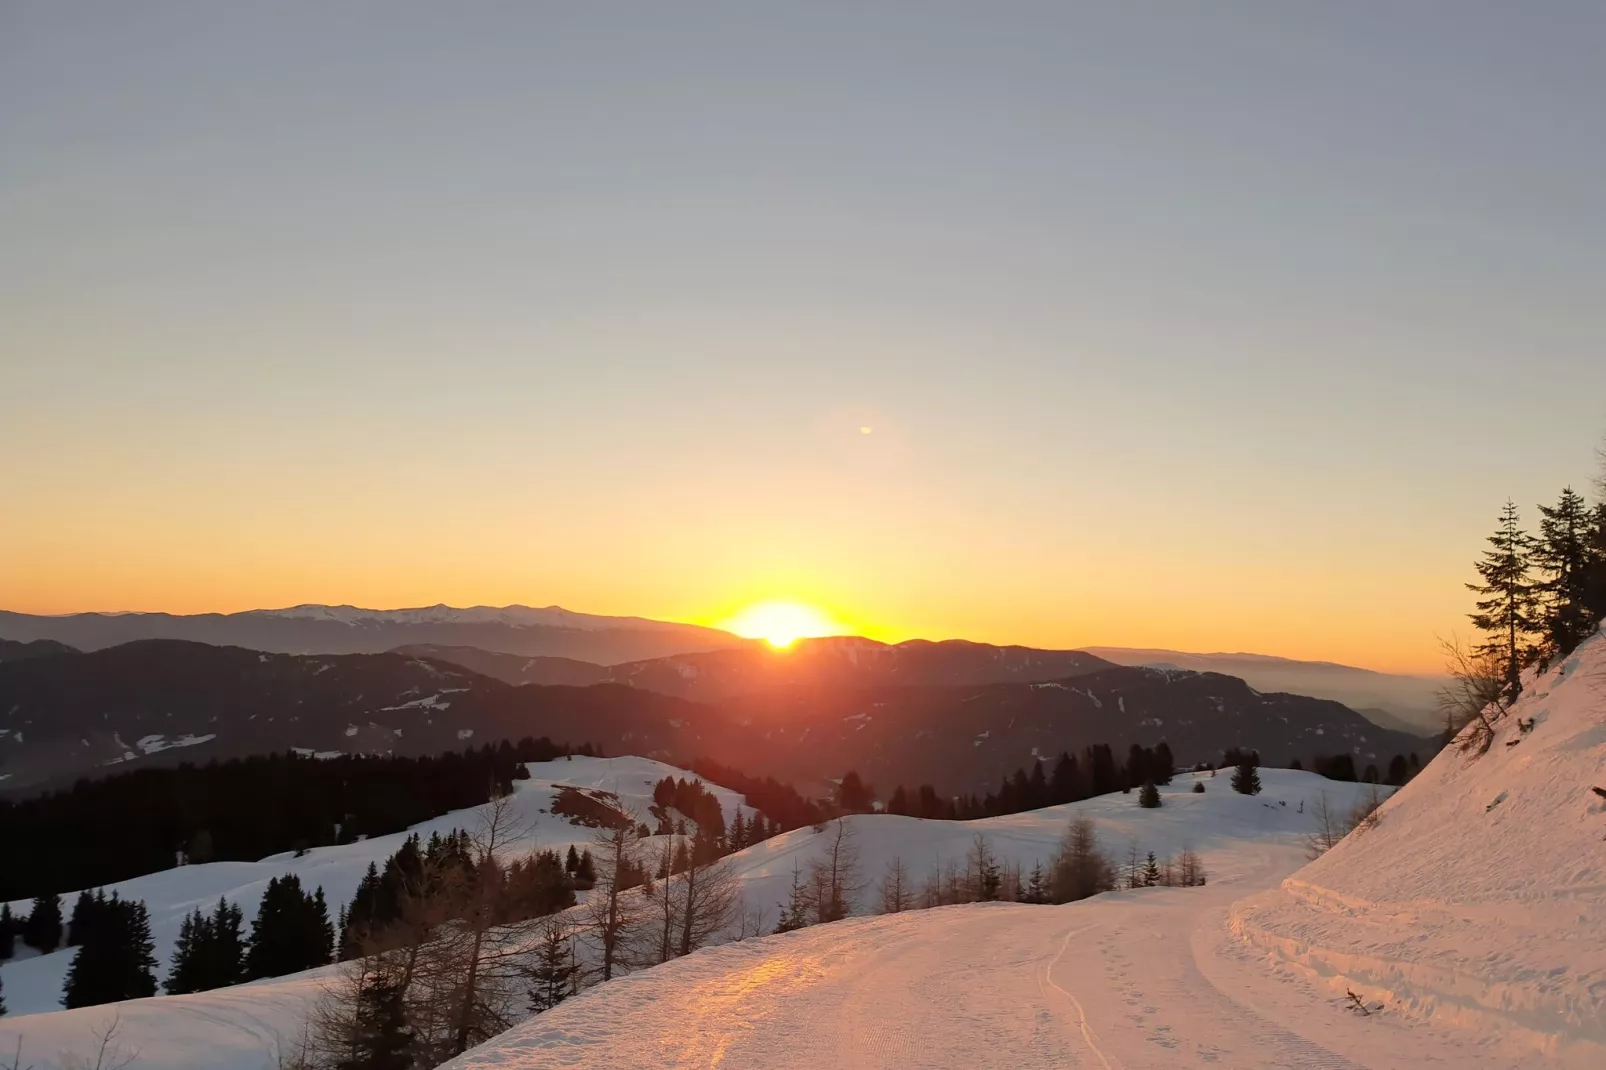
{"points": [[1212, 326]]}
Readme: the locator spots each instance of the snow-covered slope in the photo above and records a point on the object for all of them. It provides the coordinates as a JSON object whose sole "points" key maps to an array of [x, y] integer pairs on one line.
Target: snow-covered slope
{"points": [[34, 984], [238, 1028], [1480, 897]]}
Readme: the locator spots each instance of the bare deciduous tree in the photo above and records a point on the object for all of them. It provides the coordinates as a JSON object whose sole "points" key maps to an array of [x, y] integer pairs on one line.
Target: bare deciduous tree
{"points": [[109, 1054], [1080, 868], [710, 898], [1190, 870], [896, 893], [834, 878], [612, 917], [1477, 696], [1330, 828]]}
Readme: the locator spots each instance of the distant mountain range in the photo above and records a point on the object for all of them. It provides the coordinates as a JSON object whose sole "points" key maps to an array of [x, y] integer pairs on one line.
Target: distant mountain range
{"points": [[1405, 703], [809, 663], [317, 629], [957, 715]]}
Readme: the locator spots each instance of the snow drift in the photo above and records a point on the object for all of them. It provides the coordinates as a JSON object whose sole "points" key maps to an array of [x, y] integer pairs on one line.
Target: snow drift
{"points": [[1479, 898]]}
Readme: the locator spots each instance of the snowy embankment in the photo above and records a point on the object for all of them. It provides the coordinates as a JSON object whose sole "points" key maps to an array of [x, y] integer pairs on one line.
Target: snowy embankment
{"points": [[33, 983], [240, 1028], [1479, 899]]}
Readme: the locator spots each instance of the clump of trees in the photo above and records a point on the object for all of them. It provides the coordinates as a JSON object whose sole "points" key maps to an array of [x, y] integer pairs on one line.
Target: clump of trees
{"points": [[115, 959], [452, 941], [1096, 771], [111, 829], [1538, 596], [210, 952]]}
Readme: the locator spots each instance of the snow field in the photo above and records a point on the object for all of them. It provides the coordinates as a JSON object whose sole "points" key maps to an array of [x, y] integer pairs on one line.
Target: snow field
{"points": [[240, 1028]]}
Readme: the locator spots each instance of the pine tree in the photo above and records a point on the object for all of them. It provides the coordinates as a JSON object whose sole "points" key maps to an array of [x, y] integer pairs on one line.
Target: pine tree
{"points": [[1037, 886], [554, 976], [1151, 872], [1506, 609], [585, 874], [43, 930], [1246, 778], [8, 932], [380, 1037], [116, 960], [189, 953], [1562, 557], [226, 957], [82, 908], [1149, 795], [291, 931], [572, 861], [1595, 575], [795, 911]]}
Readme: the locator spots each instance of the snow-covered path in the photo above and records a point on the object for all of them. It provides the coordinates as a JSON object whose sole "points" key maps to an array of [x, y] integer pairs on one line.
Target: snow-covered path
{"points": [[1148, 978]]}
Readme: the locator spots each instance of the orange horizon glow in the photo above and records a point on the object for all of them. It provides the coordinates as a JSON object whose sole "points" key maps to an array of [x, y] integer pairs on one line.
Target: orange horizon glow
{"points": [[781, 622]]}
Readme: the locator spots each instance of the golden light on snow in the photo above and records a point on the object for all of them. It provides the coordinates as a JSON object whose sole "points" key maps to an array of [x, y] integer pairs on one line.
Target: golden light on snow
{"points": [[781, 623], [865, 430]]}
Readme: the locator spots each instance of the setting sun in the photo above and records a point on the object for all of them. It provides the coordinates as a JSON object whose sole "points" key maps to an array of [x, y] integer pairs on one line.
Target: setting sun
{"points": [[781, 623]]}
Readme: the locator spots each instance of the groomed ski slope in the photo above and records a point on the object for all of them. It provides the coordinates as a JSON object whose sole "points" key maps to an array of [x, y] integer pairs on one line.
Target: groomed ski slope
{"points": [[240, 1028], [1479, 900], [33, 984]]}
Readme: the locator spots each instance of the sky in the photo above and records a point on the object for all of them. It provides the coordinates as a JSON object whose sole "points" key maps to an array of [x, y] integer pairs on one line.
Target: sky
{"points": [[1214, 327]]}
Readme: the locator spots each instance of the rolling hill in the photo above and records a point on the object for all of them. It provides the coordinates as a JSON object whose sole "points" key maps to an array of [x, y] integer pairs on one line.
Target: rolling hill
{"points": [[163, 701]]}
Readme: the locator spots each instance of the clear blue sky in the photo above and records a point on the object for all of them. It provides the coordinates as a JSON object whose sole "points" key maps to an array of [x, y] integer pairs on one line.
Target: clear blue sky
{"points": [[1203, 325]]}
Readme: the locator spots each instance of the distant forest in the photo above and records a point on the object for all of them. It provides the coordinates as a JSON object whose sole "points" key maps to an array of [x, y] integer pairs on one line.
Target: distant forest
{"points": [[103, 831]]}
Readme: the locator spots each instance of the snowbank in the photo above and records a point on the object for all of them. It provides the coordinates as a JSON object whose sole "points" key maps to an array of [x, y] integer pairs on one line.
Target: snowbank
{"points": [[1480, 897]]}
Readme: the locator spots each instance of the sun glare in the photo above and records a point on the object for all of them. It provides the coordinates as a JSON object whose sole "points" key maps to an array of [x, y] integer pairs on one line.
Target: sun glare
{"points": [[781, 623]]}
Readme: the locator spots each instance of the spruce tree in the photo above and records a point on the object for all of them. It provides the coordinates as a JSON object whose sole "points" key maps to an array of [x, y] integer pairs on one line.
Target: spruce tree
{"points": [[1036, 886], [189, 951], [381, 1037], [1151, 872], [555, 973], [82, 909], [1595, 574], [1506, 609], [43, 929], [795, 911], [1563, 559], [226, 961], [8, 932], [1246, 778], [291, 932], [1149, 795], [571, 862], [116, 960]]}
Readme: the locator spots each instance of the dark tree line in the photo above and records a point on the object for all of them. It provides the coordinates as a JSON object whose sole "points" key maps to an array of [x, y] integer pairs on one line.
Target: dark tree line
{"points": [[1096, 772], [780, 803], [103, 831]]}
